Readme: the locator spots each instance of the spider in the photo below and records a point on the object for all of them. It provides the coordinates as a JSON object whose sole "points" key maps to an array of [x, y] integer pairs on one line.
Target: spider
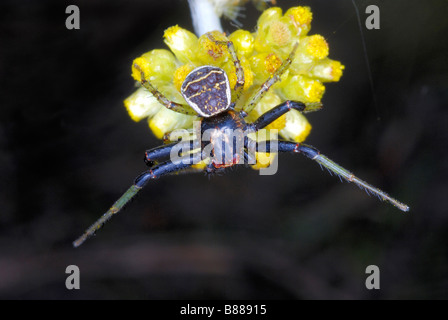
{"points": [[207, 92]]}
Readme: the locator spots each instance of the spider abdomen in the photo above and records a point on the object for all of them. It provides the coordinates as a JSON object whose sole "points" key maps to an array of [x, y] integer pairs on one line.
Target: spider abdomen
{"points": [[207, 90]]}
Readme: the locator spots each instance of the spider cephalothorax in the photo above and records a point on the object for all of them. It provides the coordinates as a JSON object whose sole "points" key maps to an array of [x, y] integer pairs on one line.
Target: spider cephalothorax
{"points": [[207, 93]]}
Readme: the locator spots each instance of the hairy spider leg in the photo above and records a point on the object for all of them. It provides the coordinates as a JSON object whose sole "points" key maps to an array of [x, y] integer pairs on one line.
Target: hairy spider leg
{"points": [[154, 155], [256, 97], [181, 108], [276, 112], [156, 172], [236, 62], [314, 154]]}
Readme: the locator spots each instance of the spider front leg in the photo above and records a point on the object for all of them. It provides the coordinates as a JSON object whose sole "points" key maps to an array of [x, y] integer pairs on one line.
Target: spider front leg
{"points": [[256, 97], [276, 112], [314, 154], [181, 108], [156, 172], [173, 136], [154, 155], [236, 62]]}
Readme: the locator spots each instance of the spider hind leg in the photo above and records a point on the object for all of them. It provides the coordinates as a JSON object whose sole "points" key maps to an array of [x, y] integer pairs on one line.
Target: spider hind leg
{"points": [[314, 154], [156, 172]]}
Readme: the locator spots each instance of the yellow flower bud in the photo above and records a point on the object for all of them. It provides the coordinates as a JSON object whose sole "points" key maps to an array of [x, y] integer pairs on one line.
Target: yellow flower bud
{"points": [[209, 52], [264, 65], [268, 17], [182, 43], [243, 41], [299, 19], [142, 104], [264, 160], [166, 120], [316, 46], [310, 50], [279, 34], [157, 65], [302, 88], [297, 127], [327, 70], [180, 74]]}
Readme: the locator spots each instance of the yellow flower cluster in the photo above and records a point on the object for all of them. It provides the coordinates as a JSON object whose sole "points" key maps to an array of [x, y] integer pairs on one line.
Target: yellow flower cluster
{"points": [[261, 53]]}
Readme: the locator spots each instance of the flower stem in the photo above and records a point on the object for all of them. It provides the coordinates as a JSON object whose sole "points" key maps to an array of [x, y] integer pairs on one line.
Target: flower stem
{"points": [[204, 17]]}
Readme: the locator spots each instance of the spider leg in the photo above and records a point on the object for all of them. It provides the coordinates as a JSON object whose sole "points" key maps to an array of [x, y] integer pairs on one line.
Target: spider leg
{"points": [[172, 136], [256, 97], [273, 114], [181, 108], [156, 172], [162, 152], [314, 154], [236, 62]]}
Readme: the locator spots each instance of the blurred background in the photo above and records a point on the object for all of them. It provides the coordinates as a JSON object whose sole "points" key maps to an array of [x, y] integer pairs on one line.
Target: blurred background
{"points": [[68, 150]]}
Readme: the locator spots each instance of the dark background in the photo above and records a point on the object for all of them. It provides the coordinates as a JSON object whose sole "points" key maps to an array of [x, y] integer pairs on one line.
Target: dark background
{"points": [[68, 150]]}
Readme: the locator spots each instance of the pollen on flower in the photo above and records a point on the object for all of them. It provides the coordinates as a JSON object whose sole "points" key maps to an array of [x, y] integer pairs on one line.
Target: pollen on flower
{"points": [[272, 62], [300, 15], [172, 31], [336, 70], [144, 66], [180, 74], [317, 46], [327, 70], [210, 52], [264, 65], [280, 33], [315, 91]]}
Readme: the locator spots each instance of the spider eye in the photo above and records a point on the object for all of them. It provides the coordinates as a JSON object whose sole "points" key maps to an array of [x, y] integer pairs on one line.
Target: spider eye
{"points": [[207, 90]]}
